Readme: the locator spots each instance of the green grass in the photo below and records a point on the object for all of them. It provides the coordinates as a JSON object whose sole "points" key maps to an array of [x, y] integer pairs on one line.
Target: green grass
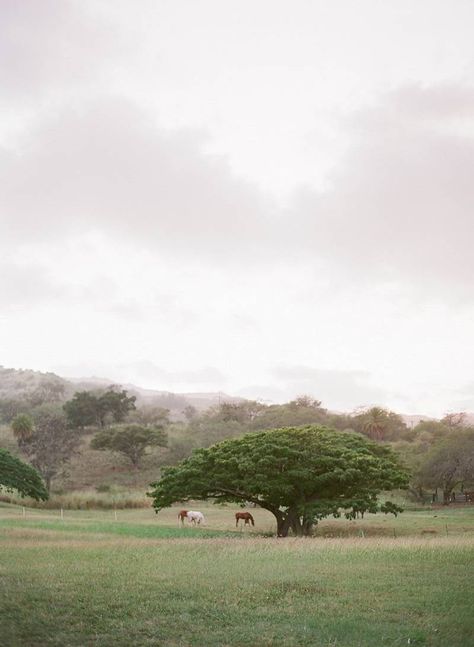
{"points": [[142, 580]]}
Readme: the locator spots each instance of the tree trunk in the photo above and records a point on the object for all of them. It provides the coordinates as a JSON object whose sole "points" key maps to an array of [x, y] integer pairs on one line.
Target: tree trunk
{"points": [[282, 526], [292, 520], [307, 527], [447, 495]]}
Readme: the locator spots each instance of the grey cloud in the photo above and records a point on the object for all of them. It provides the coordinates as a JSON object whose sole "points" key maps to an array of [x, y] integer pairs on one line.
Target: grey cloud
{"points": [[107, 168], [25, 285], [51, 44], [337, 389], [399, 207], [146, 372], [401, 204], [150, 371]]}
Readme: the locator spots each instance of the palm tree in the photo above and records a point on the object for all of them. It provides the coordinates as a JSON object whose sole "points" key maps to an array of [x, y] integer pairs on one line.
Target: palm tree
{"points": [[22, 427], [375, 423]]}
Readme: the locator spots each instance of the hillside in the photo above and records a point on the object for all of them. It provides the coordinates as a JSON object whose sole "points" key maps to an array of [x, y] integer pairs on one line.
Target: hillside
{"points": [[38, 387]]}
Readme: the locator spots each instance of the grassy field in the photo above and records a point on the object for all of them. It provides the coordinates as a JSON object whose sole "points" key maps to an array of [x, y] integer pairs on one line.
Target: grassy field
{"points": [[88, 579]]}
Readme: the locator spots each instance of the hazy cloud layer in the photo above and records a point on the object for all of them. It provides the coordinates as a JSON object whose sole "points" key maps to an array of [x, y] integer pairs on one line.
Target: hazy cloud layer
{"points": [[147, 372], [106, 168], [400, 206], [27, 284], [340, 388], [52, 46], [126, 245]]}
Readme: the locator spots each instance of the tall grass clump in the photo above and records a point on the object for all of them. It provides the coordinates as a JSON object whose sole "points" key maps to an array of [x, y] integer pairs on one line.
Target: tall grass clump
{"points": [[86, 500]]}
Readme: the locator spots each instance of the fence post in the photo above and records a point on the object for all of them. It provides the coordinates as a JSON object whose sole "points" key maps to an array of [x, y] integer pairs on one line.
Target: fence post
{"points": [[62, 514], [115, 515], [24, 512]]}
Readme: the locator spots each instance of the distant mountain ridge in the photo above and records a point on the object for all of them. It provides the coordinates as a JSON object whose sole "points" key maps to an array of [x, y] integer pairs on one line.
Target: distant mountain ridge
{"points": [[27, 383]]}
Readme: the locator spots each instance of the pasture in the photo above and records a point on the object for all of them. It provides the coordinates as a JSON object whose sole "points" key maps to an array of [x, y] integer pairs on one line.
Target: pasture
{"points": [[89, 579]]}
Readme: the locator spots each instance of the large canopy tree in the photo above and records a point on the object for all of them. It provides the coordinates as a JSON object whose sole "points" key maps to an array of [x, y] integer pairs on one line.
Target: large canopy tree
{"points": [[16, 475], [299, 474]]}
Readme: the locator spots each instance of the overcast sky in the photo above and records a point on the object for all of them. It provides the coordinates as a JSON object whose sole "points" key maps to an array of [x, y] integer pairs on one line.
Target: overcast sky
{"points": [[260, 197]]}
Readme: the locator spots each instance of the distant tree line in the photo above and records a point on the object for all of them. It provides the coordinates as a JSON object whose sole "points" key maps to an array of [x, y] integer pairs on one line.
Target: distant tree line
{"points": [[438, 454]]}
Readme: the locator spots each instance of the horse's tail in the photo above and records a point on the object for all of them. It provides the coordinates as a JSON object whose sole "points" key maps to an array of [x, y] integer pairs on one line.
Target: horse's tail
{"points": [[251, 519]]}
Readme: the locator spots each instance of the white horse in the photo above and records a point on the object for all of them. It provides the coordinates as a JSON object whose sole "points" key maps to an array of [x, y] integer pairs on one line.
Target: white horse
{"points": [[195, 517]]}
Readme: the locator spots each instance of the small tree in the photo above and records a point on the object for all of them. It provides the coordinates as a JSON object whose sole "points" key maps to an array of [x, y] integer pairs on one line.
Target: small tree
{"points": [[89, 409], [22, 427], [117, 404], [82, 410], [450, 463], [454, 420], [150, 416], [51, 444], [16, 475], [189, 412], [300, 475], [379, 424], [130, 440]]}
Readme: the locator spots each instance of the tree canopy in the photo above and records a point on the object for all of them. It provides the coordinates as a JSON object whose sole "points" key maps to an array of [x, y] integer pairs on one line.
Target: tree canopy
{"points": [[22, 427], [16, 475], [88, 409], [379, 424], [51, 444], [130, 440], [450, 463], [299, 474]]}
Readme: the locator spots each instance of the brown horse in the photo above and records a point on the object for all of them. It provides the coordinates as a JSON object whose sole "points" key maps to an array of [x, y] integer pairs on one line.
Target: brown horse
{"points": [[246, 518], [182, 515]]}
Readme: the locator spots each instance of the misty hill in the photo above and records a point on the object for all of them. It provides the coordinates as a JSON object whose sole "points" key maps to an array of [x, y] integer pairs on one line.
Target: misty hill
{"points": [[38, 387], [17, 384]]}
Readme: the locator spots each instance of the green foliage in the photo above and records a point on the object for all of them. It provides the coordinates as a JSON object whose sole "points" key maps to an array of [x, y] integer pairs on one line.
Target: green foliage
{"points": [[379, 424], [22, 427], [88, 409], [116, 404], [189, 412], [450, 463], [301, 411], [232, 419], [300, 475], [51, 444], [9, 408], [150, 416], [16, 475], [82, 410], [454, 420], [130, 440]]}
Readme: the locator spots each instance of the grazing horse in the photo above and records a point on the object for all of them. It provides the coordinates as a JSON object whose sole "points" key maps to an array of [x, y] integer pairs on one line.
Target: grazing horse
{"points": [[182, 515], [195, 517], [246, 518]]}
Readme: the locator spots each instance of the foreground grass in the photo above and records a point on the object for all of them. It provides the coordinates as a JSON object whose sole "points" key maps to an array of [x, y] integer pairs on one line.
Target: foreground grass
{"points": [[86, 581]]}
